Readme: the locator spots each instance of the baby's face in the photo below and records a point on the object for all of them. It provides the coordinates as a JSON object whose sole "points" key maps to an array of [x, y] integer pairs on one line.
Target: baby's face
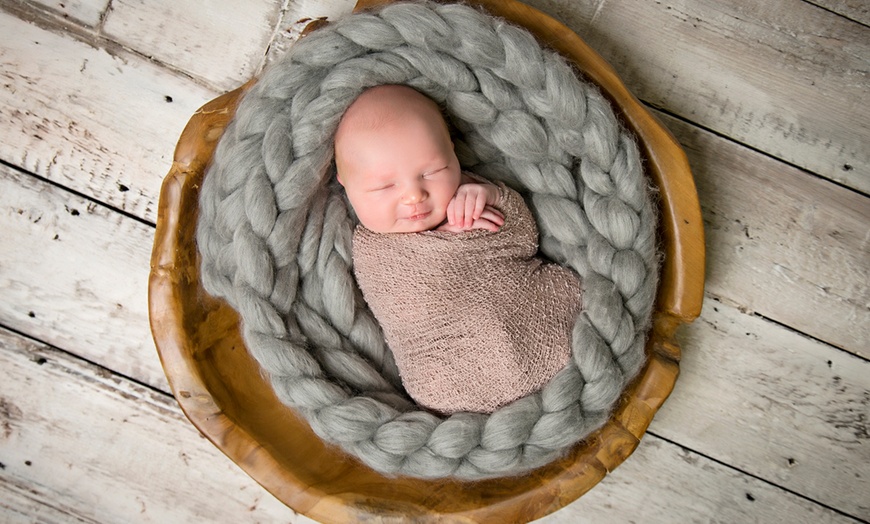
{"points": [[401, 172]]}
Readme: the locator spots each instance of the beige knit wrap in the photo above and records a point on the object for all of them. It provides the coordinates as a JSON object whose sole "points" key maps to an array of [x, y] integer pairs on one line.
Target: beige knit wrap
{"points": [[475, 320]]}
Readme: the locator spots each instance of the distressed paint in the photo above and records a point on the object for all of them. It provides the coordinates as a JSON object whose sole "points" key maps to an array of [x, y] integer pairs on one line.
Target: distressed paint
{"points": [[221, 42], [783, 76], [80, 443], [89, 119], [775, 404]]}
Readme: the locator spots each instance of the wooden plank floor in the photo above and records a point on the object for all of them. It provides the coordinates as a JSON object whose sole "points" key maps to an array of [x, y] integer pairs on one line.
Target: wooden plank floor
{"points": [[771, 100]]}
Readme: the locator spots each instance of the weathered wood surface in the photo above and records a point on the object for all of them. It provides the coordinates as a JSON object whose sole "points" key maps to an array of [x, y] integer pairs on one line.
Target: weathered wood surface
{"points": [[79, 442], [76, 273], [810, 245], [857, 10], [783, 76], [87, 12], [768, 401], [92, 115], [170, 474], [245, 30], [99, 121]]}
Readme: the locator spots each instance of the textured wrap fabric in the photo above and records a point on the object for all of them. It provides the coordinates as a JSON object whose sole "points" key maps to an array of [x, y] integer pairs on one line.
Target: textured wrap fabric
{"points": [[274, 233], [475, 320]]}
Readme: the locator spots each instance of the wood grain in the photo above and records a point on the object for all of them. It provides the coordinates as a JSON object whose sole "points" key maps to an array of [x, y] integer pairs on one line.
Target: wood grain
{"points": [[783, 76], [88, 12], [774, 404], [221, 42], [680, 486], [783, 242], [99, 123], [74, 273], [79, 443], [857, 10]]}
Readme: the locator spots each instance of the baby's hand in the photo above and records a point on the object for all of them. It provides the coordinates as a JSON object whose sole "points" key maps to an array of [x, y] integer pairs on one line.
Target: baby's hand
{"points": [[469, 204], [490, 219]]}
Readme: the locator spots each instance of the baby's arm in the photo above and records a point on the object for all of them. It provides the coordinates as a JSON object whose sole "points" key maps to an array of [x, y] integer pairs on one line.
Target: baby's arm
{"points": [[474, 207]]}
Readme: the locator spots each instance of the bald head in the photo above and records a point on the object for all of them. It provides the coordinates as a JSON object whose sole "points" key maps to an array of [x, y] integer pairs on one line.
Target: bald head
{"points": [[380, 107]]}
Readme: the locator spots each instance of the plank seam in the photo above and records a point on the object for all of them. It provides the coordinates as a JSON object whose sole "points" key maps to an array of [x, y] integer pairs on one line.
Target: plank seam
{"points": [[86, 361], [49, 21], [757, 477], [276, 30], [762, 152], [79, 194], [743, 310], [841, 15]]}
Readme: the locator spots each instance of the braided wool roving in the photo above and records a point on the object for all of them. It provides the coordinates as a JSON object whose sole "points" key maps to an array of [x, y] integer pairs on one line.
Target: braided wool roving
{"points": [[274, 233]]}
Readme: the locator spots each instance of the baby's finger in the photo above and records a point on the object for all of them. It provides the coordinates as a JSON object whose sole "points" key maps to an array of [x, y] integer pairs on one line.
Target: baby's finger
{"points": [[492, 217], [483, 223], [459, 209], [479, 204], [470, 205], [493, 214], [451, 212]]}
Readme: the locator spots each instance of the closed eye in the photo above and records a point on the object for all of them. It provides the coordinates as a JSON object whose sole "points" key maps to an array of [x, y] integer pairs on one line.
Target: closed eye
{"points": [[382, 188], [434, 172]]}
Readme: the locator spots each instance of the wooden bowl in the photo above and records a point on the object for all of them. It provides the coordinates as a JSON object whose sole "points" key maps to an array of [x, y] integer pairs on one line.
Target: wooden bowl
{"points": [[220, 388]]}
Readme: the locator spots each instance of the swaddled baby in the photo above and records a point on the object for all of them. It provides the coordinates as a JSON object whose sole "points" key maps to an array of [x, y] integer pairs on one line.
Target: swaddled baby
{"points": [[447, 261]]}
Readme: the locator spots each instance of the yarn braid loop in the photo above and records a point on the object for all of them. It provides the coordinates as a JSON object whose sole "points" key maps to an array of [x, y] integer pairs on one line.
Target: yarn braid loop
{"points": [[274, 233]]}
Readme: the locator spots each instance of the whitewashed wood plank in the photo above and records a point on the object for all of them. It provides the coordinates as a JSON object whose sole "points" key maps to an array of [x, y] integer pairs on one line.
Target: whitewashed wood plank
{"points": [[104, 124], [774, 404], [332, 9], [81, 444], [220, 41], [75, 275], [857, 10], [662, 483], [782, 242], [783, 76], [18, 506], [295, 18], [88, 12]]}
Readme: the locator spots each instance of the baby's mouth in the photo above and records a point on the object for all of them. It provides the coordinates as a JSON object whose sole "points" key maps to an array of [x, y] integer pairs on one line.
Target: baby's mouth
{"points": [[419, 216]]}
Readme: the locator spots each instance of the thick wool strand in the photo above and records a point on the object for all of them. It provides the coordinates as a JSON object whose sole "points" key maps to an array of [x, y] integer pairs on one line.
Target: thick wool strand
{"points": [[274, 233]]}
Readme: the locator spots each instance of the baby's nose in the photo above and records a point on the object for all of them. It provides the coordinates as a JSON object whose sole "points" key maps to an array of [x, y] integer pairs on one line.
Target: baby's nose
{"points": [[414, 195]]}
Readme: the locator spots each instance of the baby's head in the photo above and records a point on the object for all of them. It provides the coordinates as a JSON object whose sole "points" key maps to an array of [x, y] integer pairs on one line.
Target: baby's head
{"points": [[395, 159]]}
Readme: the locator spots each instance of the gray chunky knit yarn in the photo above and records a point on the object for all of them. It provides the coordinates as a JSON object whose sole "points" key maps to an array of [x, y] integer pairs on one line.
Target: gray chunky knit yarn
{"points": [[275, 232]]}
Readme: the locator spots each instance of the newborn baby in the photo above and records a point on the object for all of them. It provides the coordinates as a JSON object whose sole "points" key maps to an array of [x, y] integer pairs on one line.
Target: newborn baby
{"points": [[447, 261]]}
